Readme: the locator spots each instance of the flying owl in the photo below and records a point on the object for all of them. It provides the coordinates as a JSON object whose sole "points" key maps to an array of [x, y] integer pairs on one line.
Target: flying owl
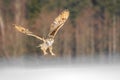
{"points": [[54, 27]]}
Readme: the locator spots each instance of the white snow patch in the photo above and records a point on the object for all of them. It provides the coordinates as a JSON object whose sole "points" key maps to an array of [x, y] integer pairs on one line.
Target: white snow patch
{"points": [[84, 72]]}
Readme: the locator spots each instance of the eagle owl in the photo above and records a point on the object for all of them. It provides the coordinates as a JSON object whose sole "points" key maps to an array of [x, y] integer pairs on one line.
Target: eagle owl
{"points": [[54, 27]]}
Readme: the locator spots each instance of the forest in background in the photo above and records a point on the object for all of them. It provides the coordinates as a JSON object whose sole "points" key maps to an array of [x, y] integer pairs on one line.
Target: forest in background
{"points": [[92, 28]]}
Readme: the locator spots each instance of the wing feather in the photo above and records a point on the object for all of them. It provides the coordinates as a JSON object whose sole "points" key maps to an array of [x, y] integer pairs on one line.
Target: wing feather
{"points": [[27, 32], [58, 23]]}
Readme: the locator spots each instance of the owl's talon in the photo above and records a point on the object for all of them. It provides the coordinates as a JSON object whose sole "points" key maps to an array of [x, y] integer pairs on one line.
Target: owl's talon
{"points": [[53, 54]]}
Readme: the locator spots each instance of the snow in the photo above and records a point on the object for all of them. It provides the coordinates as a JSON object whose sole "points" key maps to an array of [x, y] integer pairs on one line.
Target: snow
{"points": [[78, 72], [42, 68]]}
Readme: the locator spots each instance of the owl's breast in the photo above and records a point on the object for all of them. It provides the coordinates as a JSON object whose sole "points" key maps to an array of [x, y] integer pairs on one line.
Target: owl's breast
{"points": [[49, 42]]}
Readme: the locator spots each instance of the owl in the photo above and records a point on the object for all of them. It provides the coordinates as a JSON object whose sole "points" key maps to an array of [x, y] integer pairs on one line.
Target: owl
{"points": [[54, 28]]}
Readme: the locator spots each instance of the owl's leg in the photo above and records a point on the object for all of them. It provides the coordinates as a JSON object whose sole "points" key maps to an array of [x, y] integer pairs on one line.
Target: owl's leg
{"points": [[50, 49], [45, 53], [43, 48]]}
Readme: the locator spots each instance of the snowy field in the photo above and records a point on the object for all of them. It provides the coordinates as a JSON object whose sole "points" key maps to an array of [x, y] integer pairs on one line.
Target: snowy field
{"points": [[57, 69], [94, 72]]}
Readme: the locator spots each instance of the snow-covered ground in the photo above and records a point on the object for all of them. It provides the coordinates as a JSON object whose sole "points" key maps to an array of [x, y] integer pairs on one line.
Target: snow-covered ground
{"points": [[81, 72], [60, 69]]}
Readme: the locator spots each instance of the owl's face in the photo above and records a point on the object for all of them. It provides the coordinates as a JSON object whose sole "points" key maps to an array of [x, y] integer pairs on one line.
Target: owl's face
{"points": [[49, 41]]}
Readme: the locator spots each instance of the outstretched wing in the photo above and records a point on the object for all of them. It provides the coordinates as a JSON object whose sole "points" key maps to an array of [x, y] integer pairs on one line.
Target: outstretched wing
{"points": [[27, 32], [58, 23]]}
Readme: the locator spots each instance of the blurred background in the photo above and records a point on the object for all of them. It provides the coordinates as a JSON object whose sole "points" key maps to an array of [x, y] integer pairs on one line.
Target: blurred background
{"points": [[87, 46], [91, 30]]}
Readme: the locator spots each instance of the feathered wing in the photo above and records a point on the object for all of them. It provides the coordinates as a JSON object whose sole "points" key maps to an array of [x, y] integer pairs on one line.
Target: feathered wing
{"points": [[27, 32], [58, 23]]}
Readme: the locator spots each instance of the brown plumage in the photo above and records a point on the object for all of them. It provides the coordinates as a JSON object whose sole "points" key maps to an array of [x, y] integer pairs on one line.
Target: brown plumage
{"points": [[55, 26], [58, 23]]}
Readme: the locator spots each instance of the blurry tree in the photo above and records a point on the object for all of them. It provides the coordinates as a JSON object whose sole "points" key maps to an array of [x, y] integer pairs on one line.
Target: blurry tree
{"points": [[92, 29]]}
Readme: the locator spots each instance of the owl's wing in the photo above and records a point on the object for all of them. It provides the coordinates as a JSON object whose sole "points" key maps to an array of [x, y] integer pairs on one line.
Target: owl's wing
{"points": [[58, 23], [27, 32]]}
